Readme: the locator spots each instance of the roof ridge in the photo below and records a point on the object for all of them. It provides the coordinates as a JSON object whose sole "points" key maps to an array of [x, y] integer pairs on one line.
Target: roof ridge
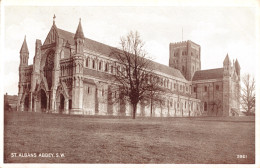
{"points": [[105, 48], [209, 69]]}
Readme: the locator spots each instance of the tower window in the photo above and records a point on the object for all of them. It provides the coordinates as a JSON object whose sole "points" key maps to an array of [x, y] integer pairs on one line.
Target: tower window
{"points": [[103, 92], [217, 87], [194, 89], [88, 90], [182, 68], [205, 88]]}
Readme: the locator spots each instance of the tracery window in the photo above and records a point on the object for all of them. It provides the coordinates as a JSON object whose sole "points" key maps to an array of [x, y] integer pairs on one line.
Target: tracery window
{"points": [[49, 65]]}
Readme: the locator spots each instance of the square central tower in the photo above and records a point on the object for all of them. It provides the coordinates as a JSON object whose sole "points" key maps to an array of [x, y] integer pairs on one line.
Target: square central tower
{"points": [[185, 56]]}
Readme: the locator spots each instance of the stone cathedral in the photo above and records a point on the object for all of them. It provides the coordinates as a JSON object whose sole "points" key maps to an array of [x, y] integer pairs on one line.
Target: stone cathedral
{"points": [[72, 74]]}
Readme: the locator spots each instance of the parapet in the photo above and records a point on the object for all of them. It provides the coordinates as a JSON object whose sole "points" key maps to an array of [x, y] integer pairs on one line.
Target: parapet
{"points": [[182, 43]]}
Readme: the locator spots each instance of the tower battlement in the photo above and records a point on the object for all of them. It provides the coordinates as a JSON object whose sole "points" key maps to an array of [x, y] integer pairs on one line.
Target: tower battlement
{"points": [[183, 44], [180, 43]]}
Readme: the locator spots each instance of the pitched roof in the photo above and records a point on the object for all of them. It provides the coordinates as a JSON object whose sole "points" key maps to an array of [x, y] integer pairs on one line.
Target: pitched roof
{"points": [[208, 74], [106, 50], [24, 47]]}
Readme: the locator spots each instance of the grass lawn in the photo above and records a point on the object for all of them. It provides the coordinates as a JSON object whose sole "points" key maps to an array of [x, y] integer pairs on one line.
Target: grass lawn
{"points": [[93, 139]]}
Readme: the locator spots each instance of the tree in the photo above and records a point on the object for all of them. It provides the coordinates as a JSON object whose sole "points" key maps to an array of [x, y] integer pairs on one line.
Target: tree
{"points": [[248, 94], [154, 94], [132, 70]]}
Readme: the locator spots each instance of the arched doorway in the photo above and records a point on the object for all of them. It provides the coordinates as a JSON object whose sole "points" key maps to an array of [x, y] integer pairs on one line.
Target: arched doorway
{"points": [[61, 104], [26, 103], [43, 101]]}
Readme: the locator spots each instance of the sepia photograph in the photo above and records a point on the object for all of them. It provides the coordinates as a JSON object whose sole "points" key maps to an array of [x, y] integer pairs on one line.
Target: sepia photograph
{"points": [[129, 84]]}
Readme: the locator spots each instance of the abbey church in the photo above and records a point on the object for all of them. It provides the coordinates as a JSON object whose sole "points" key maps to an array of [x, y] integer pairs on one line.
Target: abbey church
{"points": [[72, 74]]}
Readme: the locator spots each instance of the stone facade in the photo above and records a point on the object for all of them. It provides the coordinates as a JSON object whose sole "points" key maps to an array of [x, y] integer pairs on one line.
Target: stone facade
{"points": [[72, 74]]}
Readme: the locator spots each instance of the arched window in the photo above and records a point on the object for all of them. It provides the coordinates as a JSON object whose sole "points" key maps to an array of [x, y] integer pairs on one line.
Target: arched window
{"points": [[88, 90], [103, 92], [49, 65], [217, 87], [87, 62], [205, 106], [100, 66], [106, 67], [118, 70], [205, 88], [93, 64], [112, 69]]}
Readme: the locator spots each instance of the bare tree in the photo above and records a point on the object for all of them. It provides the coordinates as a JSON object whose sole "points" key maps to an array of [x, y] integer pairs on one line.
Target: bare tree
{"points": [[248, 94], [132, 70], [154, 94]]}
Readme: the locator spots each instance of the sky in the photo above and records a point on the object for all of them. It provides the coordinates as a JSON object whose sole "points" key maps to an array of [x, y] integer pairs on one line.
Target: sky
{"points": [[217, 29]]}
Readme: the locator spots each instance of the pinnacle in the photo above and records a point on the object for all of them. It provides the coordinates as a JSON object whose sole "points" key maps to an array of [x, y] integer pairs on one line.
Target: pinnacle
{"points": [[24, 48], [237, 64], [79, 32], [227, 60]]}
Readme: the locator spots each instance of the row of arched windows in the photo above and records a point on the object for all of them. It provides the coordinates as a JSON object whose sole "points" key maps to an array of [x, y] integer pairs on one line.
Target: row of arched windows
{"points": [[182, 53], [205, 88], [101, 65]]}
